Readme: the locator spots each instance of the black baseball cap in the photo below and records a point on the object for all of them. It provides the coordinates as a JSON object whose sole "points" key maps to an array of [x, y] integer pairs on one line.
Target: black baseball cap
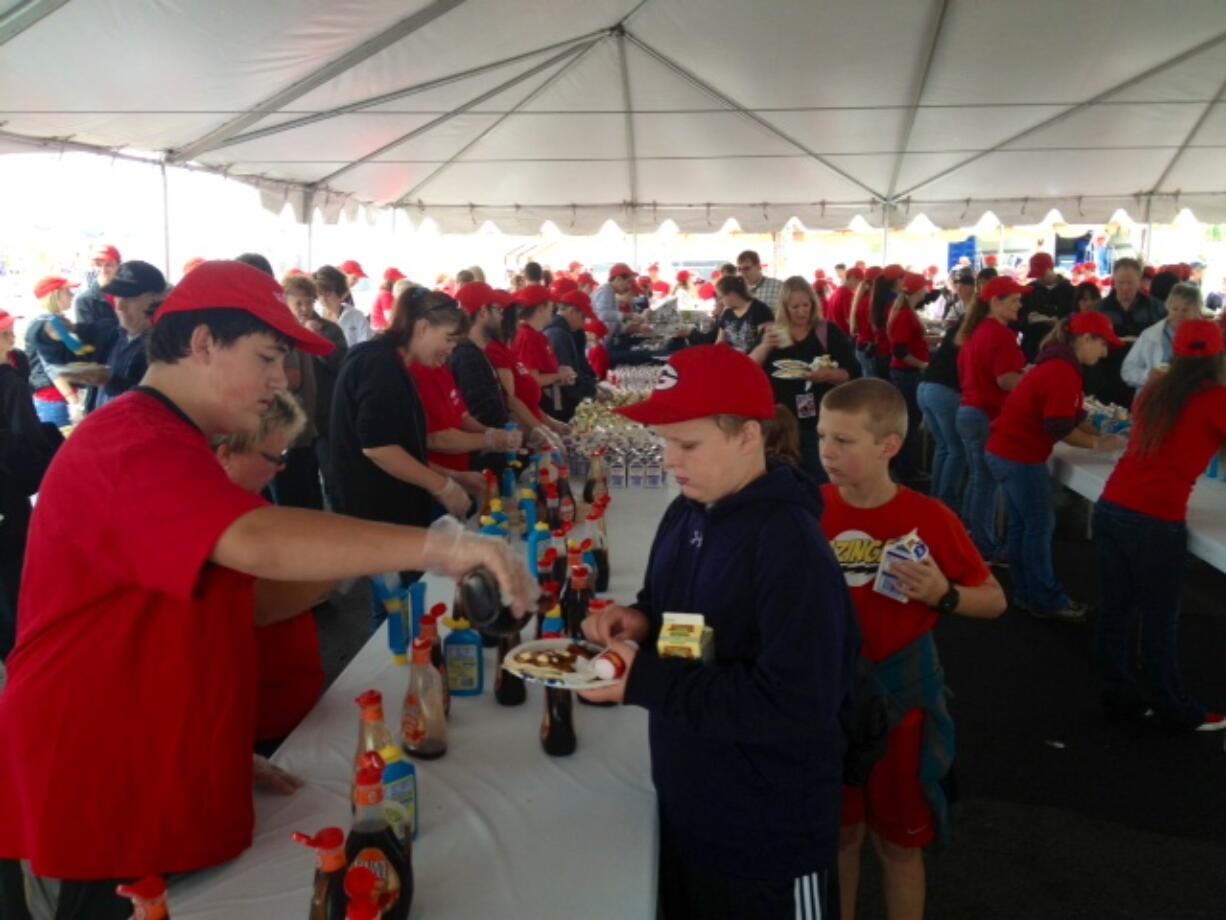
{"points": [[135, 278]]}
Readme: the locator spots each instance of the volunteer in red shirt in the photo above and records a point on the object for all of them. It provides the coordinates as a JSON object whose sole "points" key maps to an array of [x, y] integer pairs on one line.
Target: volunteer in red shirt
{"points": [[908, 357], [129, 712], [990, 364], [523, 392], [531, 346], [861, 321], [597, 353], [1046, 408], [381, 311], [838, 310], [1141, 534], [452, 434]]}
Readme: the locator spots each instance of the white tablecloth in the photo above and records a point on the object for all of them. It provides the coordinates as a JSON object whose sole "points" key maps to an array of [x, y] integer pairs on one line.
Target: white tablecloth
{"points": [[506, 831], [1086, 472]]}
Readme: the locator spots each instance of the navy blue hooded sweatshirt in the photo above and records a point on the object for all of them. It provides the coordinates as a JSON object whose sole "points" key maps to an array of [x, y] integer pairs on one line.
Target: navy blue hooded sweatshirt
{"points": [[747, 752]]}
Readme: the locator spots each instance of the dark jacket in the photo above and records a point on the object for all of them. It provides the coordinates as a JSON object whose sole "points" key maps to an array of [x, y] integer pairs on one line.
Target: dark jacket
{"points": [[479, 385], [91, 306], [747, 751], [570, 347], [327, 369], [1104, 380], [1056, 301]]}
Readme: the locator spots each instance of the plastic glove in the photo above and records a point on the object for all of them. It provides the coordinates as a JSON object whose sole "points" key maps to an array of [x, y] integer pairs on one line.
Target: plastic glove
{"points": [[499, 440], [540, 436], [453, 551], [454, 499]]}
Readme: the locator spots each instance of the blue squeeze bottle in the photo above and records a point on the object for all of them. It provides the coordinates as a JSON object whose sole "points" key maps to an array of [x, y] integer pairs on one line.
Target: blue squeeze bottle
{"points": [[417, 600], [400, 794], [391, 596], [465, 661], [537, 536]]}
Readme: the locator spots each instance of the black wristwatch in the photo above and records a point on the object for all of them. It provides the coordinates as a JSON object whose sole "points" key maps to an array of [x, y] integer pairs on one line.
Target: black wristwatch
{"points": [[949, 600]]}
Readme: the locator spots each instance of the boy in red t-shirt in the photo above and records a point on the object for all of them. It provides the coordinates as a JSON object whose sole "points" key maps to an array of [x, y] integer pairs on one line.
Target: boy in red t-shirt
{"points": [[862, 427]]}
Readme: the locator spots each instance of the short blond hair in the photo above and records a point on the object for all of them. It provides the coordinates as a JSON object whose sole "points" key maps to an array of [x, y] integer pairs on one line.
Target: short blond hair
{"points": [[283, 415], [880, 401], [797, 285]]}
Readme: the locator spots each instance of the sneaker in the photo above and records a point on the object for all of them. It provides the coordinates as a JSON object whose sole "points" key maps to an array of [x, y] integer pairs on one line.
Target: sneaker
{"points": [[1214, 722], [1075, 612]]}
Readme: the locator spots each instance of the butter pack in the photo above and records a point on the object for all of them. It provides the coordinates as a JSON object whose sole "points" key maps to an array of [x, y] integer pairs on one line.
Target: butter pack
{"points": [[686, 635]]}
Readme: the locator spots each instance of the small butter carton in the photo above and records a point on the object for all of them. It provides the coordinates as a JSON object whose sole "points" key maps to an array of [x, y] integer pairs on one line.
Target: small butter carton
{"points": [[686, 635], [908, 548]]}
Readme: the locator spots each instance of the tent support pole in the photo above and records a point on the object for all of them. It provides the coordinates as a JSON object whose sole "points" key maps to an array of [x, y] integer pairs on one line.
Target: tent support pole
{"points": [[885, 231], [936, 24], [26, 15], [165, 219], [1149, 226]]}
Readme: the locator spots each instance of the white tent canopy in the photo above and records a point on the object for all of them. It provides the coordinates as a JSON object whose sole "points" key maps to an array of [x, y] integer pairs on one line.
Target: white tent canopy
{"points": [[646, 110]]}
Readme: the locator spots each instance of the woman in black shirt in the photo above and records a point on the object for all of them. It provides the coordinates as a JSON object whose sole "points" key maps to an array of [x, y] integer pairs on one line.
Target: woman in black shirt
{"points": [[939, 397], [800, 333]]}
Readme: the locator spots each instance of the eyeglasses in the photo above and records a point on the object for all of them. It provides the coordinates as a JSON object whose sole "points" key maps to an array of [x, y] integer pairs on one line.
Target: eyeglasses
{"points": [[280, 461]]}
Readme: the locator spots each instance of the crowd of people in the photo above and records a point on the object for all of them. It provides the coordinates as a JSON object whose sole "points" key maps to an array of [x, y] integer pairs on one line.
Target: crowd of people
{"points": [[239, 445]]}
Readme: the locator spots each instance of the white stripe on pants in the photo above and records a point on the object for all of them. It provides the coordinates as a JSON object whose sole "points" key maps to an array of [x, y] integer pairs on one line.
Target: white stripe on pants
{"points": [[807, 891]]}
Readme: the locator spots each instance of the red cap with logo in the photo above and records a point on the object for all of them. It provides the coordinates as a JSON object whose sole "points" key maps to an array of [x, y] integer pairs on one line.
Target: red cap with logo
{"points": [[237, 286], [105, 252], [1001, 286], [1091, 322], [474, 296], [6, 321], [1198, 338], [50, 284], [350, 267], [579, 301], [1040, 264], [393, 275], [531, 295], [703, 381], [621, 270], [913, 283]]}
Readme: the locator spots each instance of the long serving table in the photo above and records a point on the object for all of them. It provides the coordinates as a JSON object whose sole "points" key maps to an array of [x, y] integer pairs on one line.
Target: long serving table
{"points": [[506, 831], [1086, 473]]}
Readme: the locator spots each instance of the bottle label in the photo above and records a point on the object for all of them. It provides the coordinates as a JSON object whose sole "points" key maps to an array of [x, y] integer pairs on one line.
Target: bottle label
{"points": [[636, 475], [568, 510], [617, 476], [401, 801], [653, 476], [387, 891], [462, 667], [413, 724]]}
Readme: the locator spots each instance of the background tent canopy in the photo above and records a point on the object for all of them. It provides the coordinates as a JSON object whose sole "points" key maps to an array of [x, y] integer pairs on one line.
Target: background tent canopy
{"points": [[645, 110]]}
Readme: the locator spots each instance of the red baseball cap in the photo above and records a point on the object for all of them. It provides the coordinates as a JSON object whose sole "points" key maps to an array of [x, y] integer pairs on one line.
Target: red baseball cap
{"points": [[913, 283], [51, 283], [683, 276], [596, 328], [105, 252], [620, 270], [531, 295], [989, 261], [1091, 322], [1001, 286], [1198, 338], [350, 267], [238, 286], [1040, 264], [6, 320], [575, 266], [661, 287], [931, 271], [854, 272], [893, 272], [502, 297], [193, 263], [580, 301], [871, 273], [703, 381], [393, 275], [475, 296], [586, 278], [562, 286]]}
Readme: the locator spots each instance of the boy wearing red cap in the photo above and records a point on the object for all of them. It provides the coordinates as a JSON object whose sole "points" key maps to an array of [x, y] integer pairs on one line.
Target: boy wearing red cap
{"points": [[145, 658], [898, 799], [1048, 301], [746, 749], [93, 304]]}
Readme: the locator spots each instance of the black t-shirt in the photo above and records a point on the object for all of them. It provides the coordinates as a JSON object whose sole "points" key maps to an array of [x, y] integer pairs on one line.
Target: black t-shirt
{"points": [[375, 404], [803, 397], [479, 385], [943, 368], [1054, 301], [743, 332]]}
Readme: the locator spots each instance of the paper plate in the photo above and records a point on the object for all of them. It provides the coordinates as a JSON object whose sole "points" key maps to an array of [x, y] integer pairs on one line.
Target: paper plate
{"points": [[82, 367], [540, 673]]}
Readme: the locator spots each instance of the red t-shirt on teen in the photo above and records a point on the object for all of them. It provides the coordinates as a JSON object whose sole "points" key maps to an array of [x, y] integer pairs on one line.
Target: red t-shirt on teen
{"points": [[291, 675], [445, 409], [858, 537], [532, 348], [527, 390], [129, 714], [991, 352], [1159, 483], [864, 321], [381, 312], [838, 308], [1052, 389], [905, 328]]}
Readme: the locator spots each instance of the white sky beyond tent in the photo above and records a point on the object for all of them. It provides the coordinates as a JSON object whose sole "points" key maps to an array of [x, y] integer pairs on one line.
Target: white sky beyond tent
{"points": [[695, 110]]}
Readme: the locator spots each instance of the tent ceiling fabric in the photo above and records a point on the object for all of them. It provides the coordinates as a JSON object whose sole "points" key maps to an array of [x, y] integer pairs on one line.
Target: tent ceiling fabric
{"points": [[642, 111]]}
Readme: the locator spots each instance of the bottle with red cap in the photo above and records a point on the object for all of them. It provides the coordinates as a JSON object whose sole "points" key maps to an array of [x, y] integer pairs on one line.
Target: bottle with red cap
{"points": [[148, 897], [567, 509], [559, 560], [576, 600], [429, 630], [599, 550], [597, 485], [551, 596], [373, 733], [361, 891], [328, 889], [372, 845], [424, 724]]}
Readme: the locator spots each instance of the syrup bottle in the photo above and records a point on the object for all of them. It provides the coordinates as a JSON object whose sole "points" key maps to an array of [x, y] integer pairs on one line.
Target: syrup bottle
{"points": [[424, 724], [372, 845], [509, 689], [558, 725], [148, 898], [373, 733], [328, 889], [567, 509], [429, 630]]}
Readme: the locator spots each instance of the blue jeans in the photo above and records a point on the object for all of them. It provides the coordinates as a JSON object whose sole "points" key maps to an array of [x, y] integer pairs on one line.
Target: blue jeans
{"points": [[55, 413], [1032, 521], [979, 505], [939, 405], [1141, 561], [908, 463], [810, 458], [871, 363]]}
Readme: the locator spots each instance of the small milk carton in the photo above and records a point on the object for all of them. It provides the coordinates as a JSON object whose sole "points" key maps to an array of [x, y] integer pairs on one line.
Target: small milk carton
{"points": [[908, 548]]}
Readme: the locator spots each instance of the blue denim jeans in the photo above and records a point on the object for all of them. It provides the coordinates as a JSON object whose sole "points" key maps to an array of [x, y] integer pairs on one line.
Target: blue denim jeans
{"points": [[1032, 521], [907, 464], [939, 405], [1141, 561], [979, 505], [55, 413], [871, 363]]}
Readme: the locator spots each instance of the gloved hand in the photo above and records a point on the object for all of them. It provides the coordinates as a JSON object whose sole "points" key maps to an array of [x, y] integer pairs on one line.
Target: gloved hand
{"points": [[499, 440], [540, 436], [454, 499], [453, 551]]}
